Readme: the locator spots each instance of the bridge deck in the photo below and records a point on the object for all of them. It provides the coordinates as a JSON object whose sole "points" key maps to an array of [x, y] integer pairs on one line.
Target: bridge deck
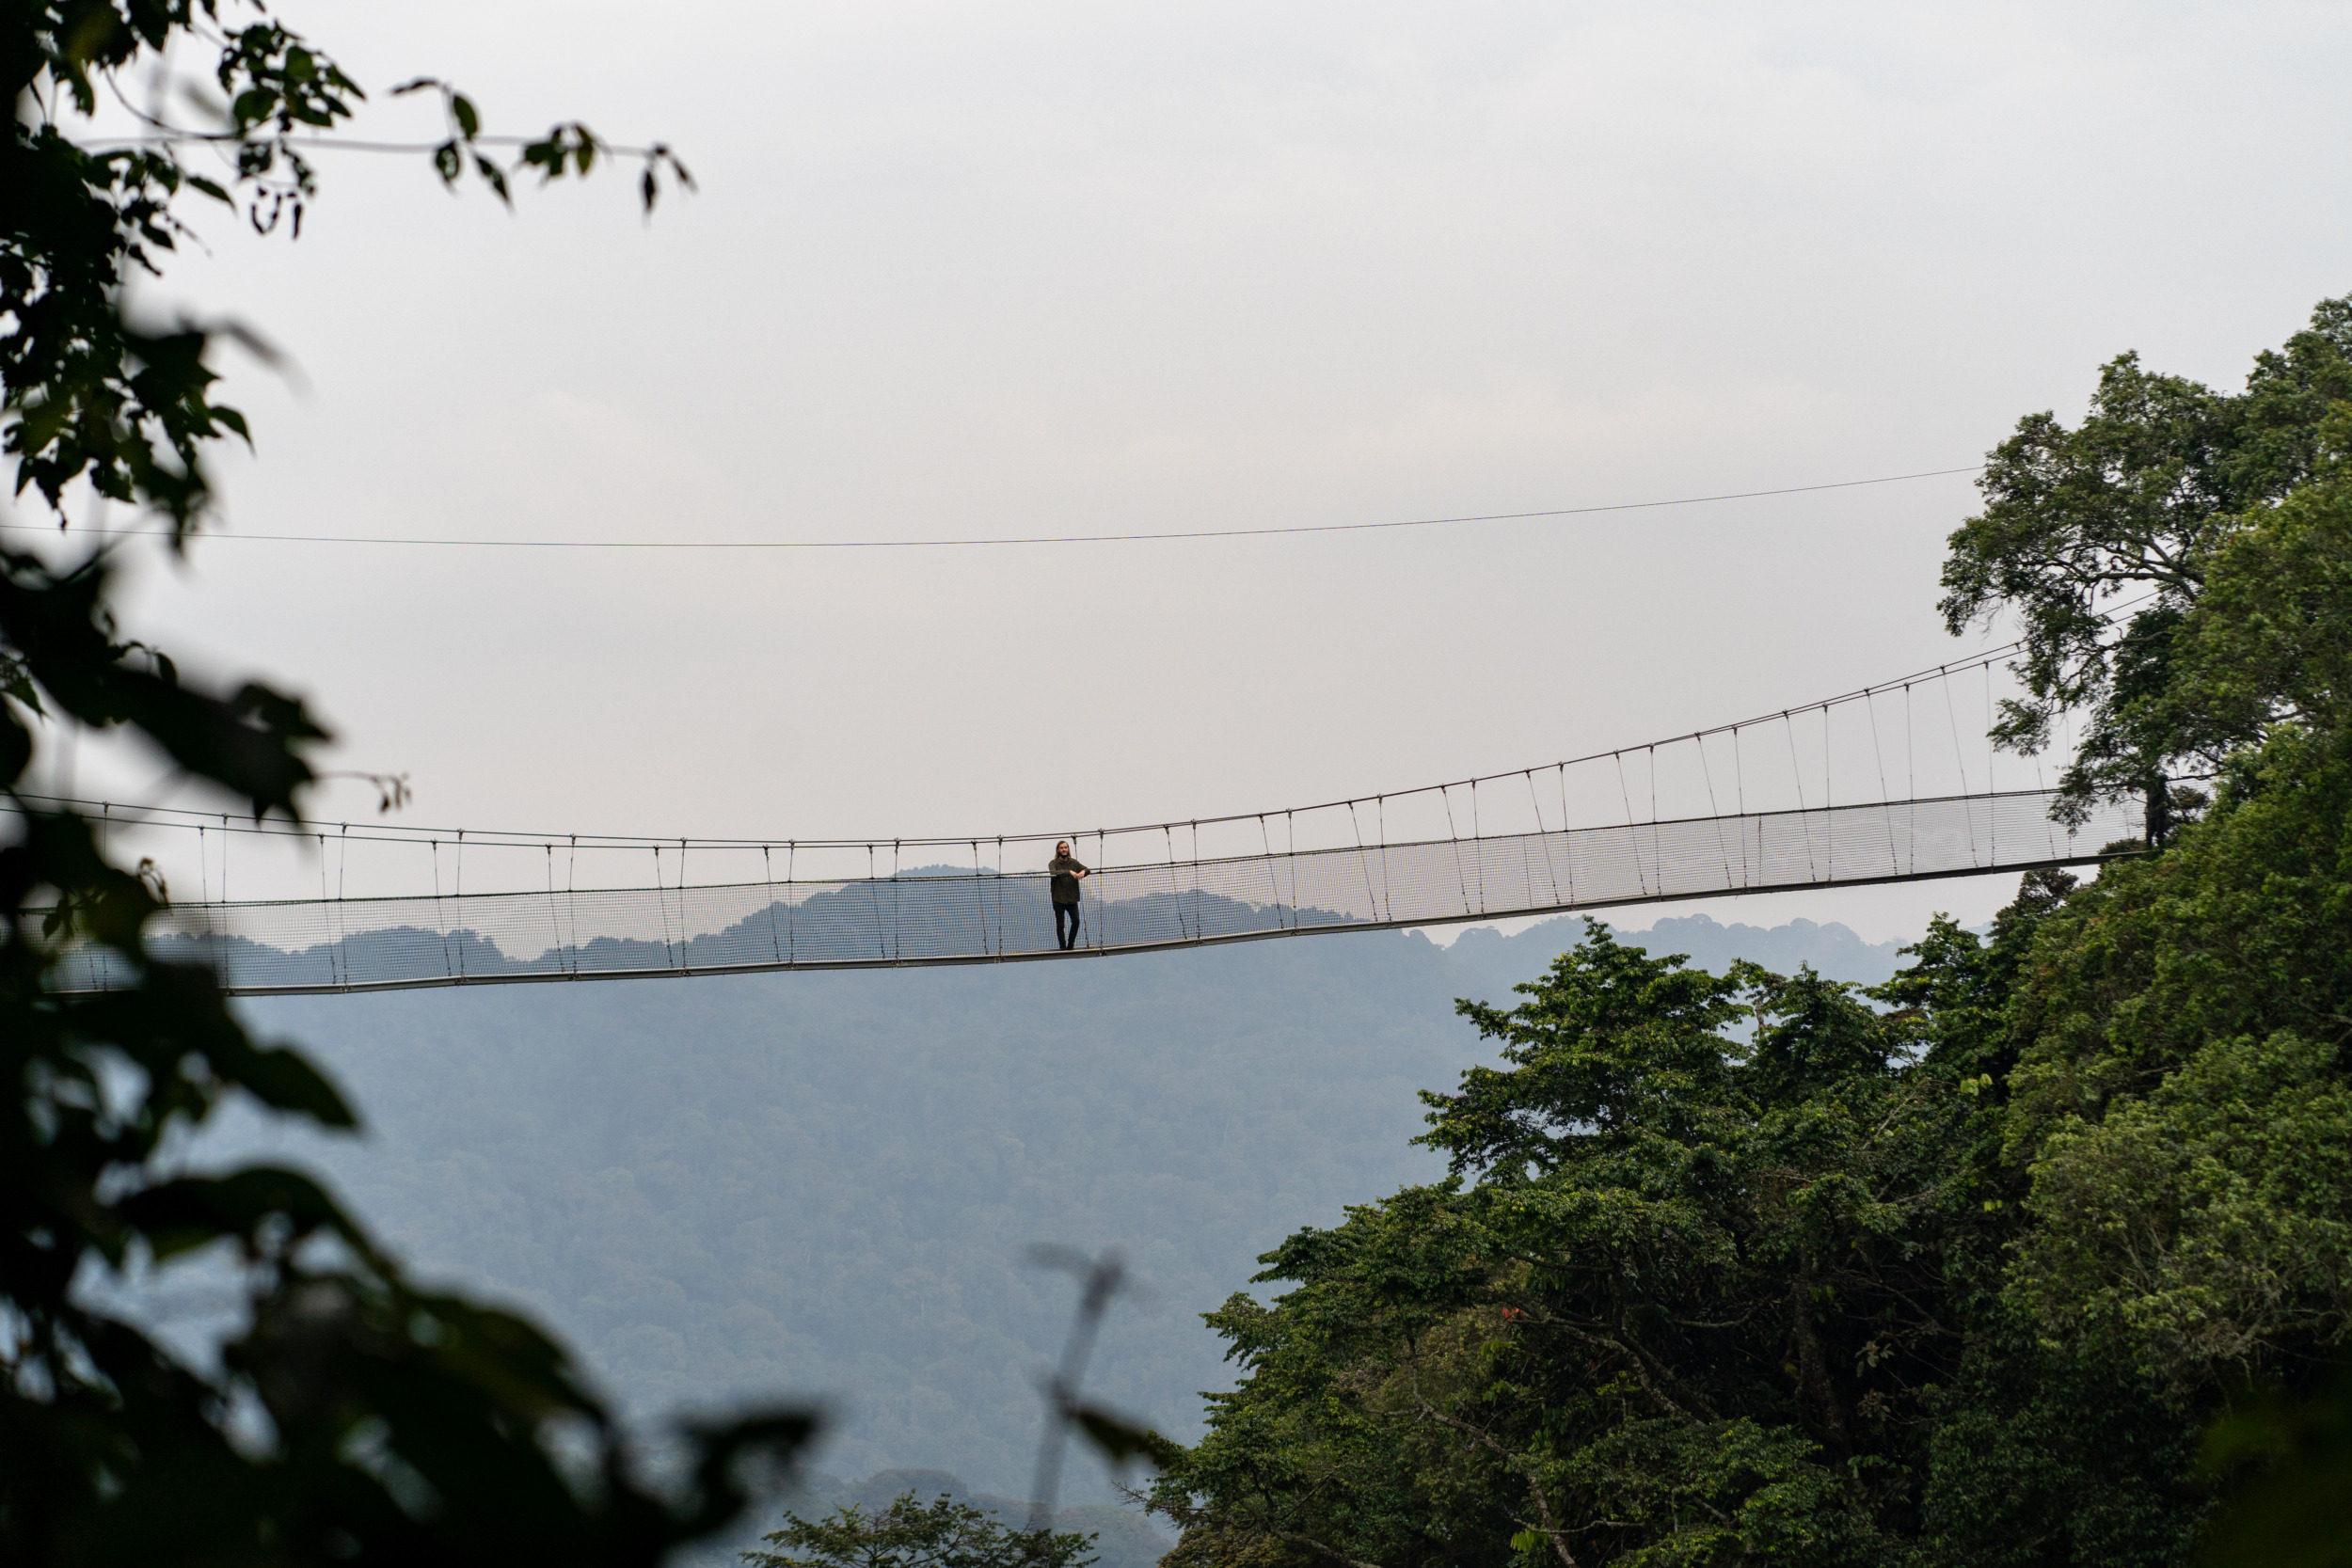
{"points": [[362, 945]]}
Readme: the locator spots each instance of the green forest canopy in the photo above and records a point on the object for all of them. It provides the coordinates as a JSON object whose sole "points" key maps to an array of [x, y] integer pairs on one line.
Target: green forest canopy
{"points": [[1958, 1269]]}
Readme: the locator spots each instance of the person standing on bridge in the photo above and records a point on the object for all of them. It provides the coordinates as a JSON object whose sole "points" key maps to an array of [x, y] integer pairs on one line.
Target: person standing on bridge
{"points": [[1067, 871]]}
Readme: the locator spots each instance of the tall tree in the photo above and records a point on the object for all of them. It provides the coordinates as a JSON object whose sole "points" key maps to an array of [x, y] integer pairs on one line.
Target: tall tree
{"points": [[1741, 1269], [1683, 1300], [2098, 539]]}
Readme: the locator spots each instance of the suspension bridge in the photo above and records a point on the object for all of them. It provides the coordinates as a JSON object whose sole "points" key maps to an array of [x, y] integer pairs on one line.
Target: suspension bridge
{"points": [[1827, 795]]}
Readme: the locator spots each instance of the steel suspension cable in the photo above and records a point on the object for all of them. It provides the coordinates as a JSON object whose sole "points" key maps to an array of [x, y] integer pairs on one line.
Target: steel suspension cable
{"points": [[1739, 785], [441, 916], [1877, 754], [1290, 832], [1910, 776], [1713, 810], [155, 815], [342, 916], [661, 902], [571, 896], [1959, 758], [1552, 872], [1829, 802], [1568, 847], [1272, 886], [768, 874], [1454, 836], [1627, 795], [1796, 773], [1478, 837], [459, 894], [555, 916], [979, 898], [1364, 861], [322, 901], [1993, 826], [873, 896]]}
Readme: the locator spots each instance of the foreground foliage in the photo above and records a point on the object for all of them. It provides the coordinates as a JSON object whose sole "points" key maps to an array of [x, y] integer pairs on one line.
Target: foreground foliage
{"points": [[351, 1416], [1957, 1270], [942, 1533]]}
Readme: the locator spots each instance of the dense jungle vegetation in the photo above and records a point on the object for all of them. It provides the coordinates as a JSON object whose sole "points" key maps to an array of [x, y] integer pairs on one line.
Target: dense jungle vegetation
{"points": [[1958, 1269]]}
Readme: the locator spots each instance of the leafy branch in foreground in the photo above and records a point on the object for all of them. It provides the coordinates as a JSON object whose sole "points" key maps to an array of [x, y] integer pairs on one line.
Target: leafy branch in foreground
{"points": [[352, 1416], [86, 392], [571, 145], [2296, 1511]]}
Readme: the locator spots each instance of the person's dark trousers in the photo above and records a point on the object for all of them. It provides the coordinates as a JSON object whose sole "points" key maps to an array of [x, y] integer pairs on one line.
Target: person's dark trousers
{"points": [[1066, 925]]}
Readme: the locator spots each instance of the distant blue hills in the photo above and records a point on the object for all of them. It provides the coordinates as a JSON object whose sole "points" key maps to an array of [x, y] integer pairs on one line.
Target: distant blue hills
{"points": [[858, 921], [825, 1183], [1832, 950]]}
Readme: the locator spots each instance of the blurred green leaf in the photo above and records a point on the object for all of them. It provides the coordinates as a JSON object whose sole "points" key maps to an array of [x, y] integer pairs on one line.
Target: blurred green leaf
{"points": [[357, 1418], [2293, 1506], [1118, 1440]]}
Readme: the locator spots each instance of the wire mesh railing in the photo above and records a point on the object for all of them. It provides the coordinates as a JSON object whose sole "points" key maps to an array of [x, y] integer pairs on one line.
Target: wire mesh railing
{"points": [[956, 915]]}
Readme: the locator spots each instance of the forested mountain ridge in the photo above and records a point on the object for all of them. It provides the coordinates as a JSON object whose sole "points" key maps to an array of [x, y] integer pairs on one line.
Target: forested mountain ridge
{"points": [[1498, 962]]}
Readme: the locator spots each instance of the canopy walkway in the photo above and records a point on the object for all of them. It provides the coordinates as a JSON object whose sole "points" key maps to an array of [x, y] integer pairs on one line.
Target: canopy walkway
{"points": [[938, 915], [1743, 808]]}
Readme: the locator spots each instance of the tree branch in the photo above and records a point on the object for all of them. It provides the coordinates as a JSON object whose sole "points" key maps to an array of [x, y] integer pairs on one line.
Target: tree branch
{"points": [[1534, 1488], [1314, 1545]]}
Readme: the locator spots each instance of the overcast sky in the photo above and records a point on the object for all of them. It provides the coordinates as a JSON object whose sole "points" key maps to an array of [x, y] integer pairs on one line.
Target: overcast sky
{"points": [[1024, 268]]}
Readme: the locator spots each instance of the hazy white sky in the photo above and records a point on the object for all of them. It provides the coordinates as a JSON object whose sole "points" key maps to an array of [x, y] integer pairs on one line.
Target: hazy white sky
{"points": [[1064, 268]]}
